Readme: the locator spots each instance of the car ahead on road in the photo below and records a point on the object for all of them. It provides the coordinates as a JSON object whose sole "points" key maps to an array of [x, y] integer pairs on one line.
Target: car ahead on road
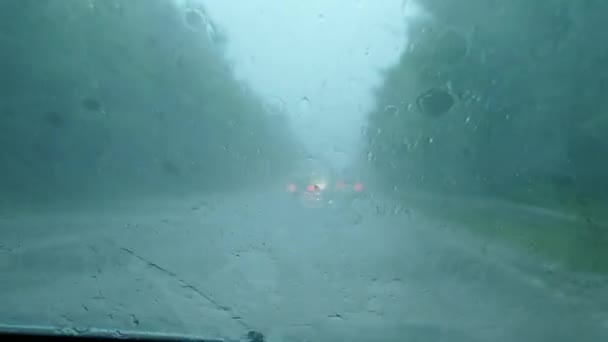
{"points": [[322, 188]]}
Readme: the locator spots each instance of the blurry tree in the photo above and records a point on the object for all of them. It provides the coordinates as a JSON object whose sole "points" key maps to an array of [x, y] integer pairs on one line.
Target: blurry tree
{"points": [[506, 98], [120, 96]]}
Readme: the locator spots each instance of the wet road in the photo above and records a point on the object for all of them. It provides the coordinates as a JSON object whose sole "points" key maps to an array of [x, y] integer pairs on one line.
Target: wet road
{"points": [[218, 266]]}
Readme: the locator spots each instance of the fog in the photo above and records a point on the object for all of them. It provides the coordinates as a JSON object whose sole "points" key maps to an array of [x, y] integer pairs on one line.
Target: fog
{"points": [[317, 60], [150, 173]]}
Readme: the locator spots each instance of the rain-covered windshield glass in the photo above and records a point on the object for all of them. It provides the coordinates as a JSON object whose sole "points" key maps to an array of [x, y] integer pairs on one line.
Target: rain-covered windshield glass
{"points": [[322, 170]]}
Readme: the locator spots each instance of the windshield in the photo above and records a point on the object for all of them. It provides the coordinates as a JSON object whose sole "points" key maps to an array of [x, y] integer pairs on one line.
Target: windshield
{"points": [[344, 170]]}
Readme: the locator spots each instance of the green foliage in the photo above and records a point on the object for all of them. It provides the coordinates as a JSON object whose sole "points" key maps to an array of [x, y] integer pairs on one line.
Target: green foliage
{"points": [[529, 106], [419, 128], [529, 125], [568, 240], [124, 97]]}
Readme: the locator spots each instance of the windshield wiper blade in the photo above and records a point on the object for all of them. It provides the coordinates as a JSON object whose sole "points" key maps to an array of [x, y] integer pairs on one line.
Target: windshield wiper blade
{"points": [[96, 334]]}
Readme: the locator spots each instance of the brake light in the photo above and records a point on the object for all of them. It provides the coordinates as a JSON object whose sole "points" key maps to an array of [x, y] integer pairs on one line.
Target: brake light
{"points": [[358, 187], [310, 188]]}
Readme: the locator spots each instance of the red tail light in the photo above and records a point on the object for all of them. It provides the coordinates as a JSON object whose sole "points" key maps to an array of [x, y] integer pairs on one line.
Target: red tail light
{"points": [[358, 187]]}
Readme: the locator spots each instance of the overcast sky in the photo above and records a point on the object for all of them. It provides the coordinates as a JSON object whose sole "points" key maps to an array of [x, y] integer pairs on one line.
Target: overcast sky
{"points": [[320, 59]]}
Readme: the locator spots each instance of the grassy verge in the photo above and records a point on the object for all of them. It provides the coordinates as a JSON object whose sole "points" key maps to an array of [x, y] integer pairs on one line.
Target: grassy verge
{"points": [[575, 241]]}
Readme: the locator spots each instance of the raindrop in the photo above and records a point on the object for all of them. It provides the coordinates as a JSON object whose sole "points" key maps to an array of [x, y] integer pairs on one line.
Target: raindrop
{"points": [[435, 102], [304, 105], [467, 120], [197, 20], [274, 105], [170, 168], [391, 110], [363, 131], [255, 336], [211, 33], [55, 119], [405, 9], [194, 19], [91, 104], [410, 10]]}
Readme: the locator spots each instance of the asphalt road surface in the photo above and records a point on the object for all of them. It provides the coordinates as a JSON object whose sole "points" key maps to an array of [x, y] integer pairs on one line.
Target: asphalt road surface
{"points": [[221, 265]]}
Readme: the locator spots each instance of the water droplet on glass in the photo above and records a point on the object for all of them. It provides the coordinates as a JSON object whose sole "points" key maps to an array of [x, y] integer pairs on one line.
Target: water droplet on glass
{"points": [[435, 102], [409, 9], [467, 120], [211, 32], [194, 19], [405, 7], [274, 105], [91, 104], [304, 105], [391, 110]]}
